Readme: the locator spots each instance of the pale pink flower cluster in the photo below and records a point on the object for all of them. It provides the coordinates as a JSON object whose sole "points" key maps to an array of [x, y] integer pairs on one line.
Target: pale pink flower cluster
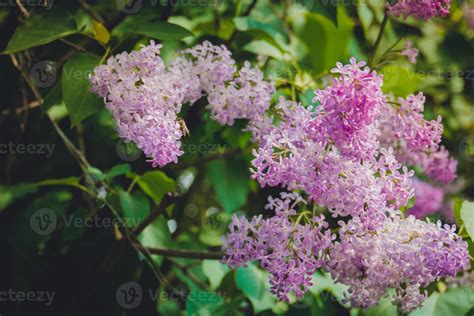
{"points": [[416, 141], [429, 199], [403, 254], [410, 52], [145, 97], [345, 154], [420, 9]]}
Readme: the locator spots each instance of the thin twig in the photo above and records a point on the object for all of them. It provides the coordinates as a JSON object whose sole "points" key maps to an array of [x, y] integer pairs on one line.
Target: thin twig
{"points": [[180, 253], [27, 78], [165, 202], [91, 11], [373, 52], [30, 105], [23, 10], [77, 47]]}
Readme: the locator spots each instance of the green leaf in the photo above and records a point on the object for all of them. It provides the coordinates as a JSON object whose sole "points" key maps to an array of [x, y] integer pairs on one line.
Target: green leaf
{"points": [[324, 282], [457, 205], [254, 283], [156, 234], [326, 8], [401, 81], [229, 179], [455, 301], [54, 97], [8, 194], [263, 48], [384, 307], [467, 216], [135, 206], [95, 173], [214, 271], [71, 181], [203, 303], [80, 102], [411, 202], [156, 184], [118, 170], [100, 32], [262, 31], [161, 30], [316, 32], [44, 26]]}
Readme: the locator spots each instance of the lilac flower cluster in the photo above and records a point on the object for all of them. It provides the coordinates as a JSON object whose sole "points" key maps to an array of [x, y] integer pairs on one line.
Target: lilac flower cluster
{"points": [[289, 245], [404, 254], [420, 9], [145, 97], [410, 52], [349, 108], [464, 280], [144, 100], [429, 199], [346, 155], [416, 140]]}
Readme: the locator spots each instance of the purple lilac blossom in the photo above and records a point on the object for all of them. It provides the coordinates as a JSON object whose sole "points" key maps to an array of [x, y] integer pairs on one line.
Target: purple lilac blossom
{"points": [[420, 9], [429, 199], [410, 52]]}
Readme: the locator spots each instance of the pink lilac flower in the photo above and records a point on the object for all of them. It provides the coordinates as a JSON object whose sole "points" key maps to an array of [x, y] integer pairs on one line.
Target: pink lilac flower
{"points": [[246, 96], [465, 280], [212, 64], [410, 52], [416, 141], [291, 250], [429, 199], [346, 155], [145, 97], [420, 9], [144, 101], [404, 254], [349, 108]]}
